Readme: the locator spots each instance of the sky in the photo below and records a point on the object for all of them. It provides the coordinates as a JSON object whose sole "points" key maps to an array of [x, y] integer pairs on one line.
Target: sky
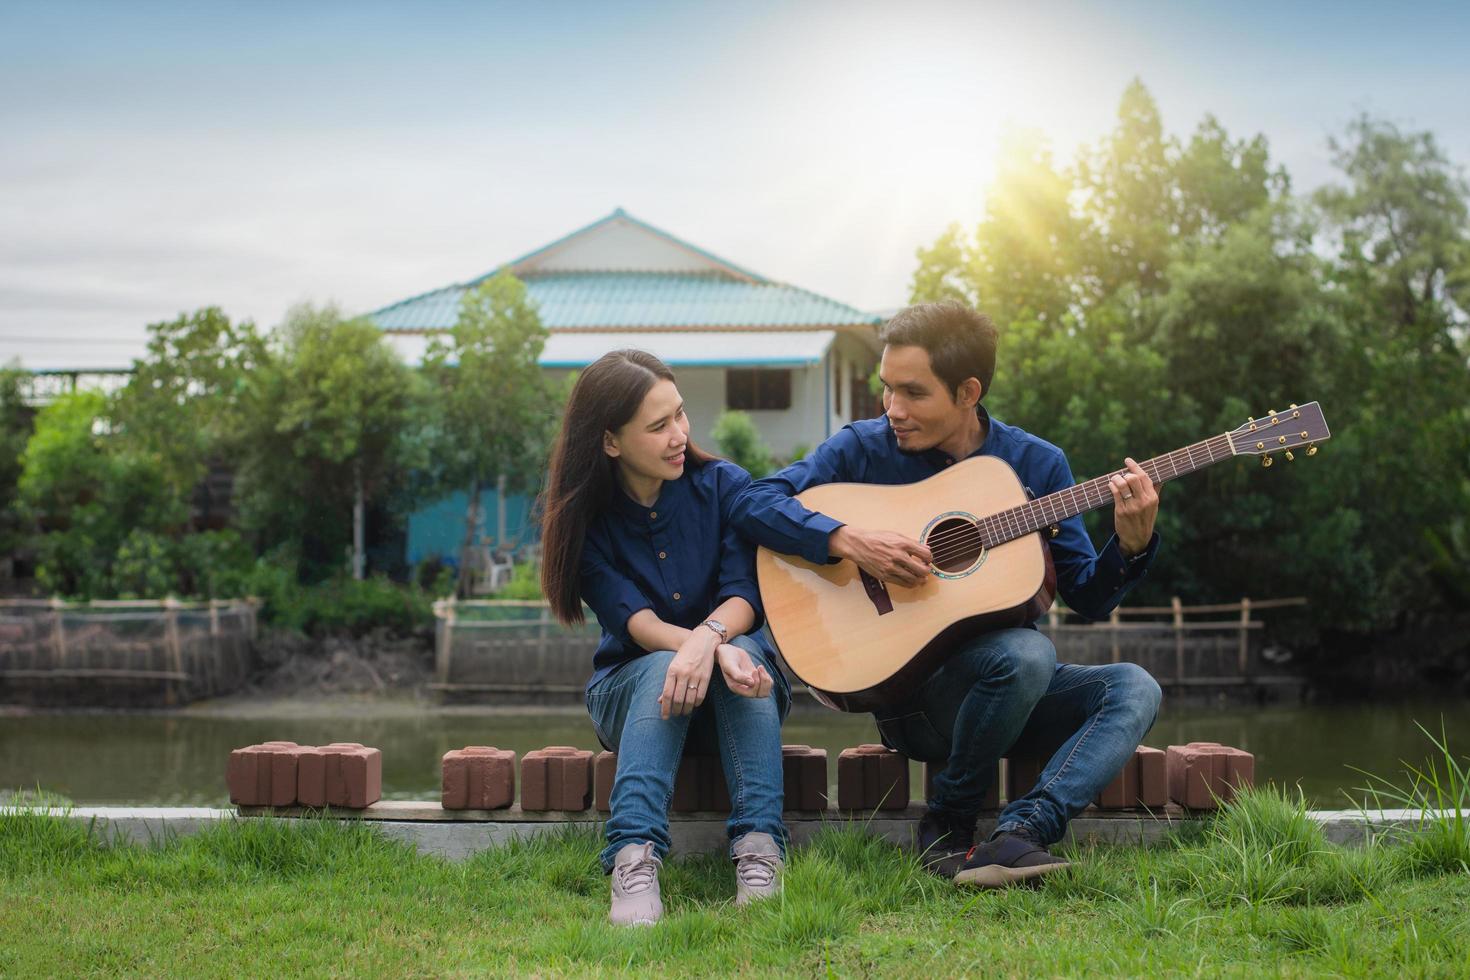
{"points": [[160, 157]]}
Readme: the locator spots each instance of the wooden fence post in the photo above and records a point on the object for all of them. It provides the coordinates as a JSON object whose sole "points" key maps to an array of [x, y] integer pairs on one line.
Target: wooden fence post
{"points": [[171, 633], [1178, 640], [58, 631], [1115, 618], [445, 609], [1245, 633]]}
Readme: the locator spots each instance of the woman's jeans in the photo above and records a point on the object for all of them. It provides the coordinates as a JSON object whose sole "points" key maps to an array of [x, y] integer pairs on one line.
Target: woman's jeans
{"points": [[1004, 694], [745, 732]]}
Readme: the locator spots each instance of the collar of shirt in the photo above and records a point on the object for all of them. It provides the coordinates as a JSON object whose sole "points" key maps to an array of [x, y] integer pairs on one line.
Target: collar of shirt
{"points": [[658, 515]]}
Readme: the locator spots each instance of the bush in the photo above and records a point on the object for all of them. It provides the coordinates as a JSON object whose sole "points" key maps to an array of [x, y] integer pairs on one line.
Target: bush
{"points": [[343, 606], [740, 442], [525, 583]]}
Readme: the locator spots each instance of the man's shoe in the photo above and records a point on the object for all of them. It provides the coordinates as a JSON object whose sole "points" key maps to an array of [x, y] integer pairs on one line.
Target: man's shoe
{"points": [[1010, 859], [943, 843], [635, 900], [757, 867]]}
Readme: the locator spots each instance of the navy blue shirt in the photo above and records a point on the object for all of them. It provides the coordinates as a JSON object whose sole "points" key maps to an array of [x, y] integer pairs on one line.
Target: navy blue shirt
{"points": [[1091, 583], [680, 557]]}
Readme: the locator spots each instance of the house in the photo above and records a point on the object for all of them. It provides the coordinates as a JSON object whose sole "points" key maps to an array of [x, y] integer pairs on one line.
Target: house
{"points": [[798, 363]]}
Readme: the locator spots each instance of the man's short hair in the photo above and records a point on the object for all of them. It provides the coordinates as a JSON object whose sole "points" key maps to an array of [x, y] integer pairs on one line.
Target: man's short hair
{"points": [[960, 341]]}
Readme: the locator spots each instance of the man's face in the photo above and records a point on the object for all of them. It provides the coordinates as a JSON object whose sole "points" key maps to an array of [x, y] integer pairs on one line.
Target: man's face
{"points": [[920, 408]]}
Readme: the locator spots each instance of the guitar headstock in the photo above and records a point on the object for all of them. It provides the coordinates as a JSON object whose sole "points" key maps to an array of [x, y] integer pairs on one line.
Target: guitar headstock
{"points": [[1298, 426]]}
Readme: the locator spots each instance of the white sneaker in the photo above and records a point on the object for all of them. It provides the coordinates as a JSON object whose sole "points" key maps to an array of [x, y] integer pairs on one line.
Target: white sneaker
{"points": [[635, 900], [757, 867]]}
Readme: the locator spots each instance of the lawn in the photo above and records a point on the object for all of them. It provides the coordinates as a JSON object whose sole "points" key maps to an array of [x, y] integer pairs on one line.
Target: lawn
{"points": [[1256, 890]]}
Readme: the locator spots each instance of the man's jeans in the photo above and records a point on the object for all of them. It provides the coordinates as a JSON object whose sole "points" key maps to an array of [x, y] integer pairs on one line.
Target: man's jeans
{"points": [[744, 732], [1004, 694]]}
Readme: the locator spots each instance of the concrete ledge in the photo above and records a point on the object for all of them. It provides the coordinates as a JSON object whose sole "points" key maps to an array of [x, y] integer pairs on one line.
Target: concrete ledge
{"points": [[462, 834]]}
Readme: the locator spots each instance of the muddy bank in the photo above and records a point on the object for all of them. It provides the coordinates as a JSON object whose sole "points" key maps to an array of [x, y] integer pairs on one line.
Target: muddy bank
{"points": [[289, 664]]}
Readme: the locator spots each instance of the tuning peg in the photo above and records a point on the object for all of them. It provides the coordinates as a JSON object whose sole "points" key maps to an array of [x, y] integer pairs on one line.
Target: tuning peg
{"points": [[1292, 405], [1266, 461], [1312, 450], [1289, 456]]}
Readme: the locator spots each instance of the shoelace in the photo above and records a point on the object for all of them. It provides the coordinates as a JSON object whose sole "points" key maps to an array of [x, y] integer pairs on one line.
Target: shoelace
{"points": [[757, 870], [637, 877]]}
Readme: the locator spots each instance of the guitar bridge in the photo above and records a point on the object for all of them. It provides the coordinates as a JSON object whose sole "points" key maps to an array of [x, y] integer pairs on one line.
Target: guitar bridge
{"points": [[877, 593]]}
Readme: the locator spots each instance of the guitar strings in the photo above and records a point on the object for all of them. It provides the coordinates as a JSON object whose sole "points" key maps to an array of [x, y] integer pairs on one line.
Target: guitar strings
{"points": [[956, 542]]}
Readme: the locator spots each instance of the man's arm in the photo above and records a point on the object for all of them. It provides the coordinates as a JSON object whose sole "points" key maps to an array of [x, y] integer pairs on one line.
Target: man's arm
{"points": [[1091, 582], [766, 513]]}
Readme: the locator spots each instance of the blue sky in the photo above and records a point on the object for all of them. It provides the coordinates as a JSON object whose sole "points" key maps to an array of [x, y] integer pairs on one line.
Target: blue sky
{"points": [[159, 157]]}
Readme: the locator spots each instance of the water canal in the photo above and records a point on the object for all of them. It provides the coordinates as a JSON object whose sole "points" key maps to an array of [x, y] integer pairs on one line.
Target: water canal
{"points": [[179, 757]]}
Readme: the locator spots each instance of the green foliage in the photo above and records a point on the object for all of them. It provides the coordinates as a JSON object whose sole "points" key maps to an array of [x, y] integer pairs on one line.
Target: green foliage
{"points": [[740, 442], [1161, 291], [89, 502], [331, 413], [339, 606], [525, 583], [182, 405], [494, 409], [15, 430]]}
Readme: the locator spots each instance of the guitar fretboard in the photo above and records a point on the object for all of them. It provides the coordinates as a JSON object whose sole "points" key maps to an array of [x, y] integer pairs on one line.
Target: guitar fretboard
{"points": [[1056, 507]]}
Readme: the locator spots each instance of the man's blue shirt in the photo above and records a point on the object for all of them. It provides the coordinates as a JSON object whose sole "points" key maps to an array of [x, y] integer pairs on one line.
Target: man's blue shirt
{"points": [[1090, 582], [680, 557]]}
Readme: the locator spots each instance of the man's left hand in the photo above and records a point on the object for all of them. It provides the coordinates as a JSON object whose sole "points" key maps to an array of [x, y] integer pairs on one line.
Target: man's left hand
{"points": [[1135, 506]]}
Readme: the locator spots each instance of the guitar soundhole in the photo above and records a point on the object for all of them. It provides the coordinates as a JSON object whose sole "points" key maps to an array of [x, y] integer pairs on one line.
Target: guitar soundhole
{"points": [[955, 544]]}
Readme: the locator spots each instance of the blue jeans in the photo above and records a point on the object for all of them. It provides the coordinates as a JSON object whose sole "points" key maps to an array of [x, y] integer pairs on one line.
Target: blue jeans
{"points": [[744, 732], [1004, 694]]}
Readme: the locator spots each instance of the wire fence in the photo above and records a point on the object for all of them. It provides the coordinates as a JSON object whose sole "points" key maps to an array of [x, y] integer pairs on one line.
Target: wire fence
{"points": [[124, 652], [515, 647]]}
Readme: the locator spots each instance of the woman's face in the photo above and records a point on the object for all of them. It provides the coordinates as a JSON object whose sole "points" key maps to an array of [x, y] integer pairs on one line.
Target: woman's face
{"points": [[652, 442]]}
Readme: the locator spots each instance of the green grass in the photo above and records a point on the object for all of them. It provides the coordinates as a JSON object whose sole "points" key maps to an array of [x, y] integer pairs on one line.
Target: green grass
{"points": [[1257, 890]]}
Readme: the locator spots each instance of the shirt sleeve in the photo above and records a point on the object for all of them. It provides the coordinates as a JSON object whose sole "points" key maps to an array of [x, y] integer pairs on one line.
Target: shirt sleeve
{"points": [[614, 597], [737, 555], [1091, 582], [766, 513]]}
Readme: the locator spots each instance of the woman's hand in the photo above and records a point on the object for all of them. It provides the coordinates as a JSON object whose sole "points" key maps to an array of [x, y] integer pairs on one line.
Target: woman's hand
{"points": [[687, 681], [742, 675]]}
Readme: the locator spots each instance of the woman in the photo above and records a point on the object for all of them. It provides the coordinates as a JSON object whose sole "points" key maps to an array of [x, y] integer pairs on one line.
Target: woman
{"points": [[634, 524]]}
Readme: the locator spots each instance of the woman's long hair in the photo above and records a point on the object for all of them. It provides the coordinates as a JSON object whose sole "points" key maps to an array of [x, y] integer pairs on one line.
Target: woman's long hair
{"points": [[581, 476]]}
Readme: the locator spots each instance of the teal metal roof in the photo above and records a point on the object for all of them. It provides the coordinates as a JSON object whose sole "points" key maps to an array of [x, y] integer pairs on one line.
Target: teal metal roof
{"points": [[629, 300]]}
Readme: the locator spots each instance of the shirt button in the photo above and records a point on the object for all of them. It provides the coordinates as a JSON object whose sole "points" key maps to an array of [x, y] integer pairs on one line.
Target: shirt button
{"points": [[662, 554], [676, 595], [652, 514]]}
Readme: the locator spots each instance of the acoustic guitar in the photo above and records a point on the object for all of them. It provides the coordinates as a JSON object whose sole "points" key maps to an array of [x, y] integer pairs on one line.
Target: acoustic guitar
{"points": [[858, 643]]}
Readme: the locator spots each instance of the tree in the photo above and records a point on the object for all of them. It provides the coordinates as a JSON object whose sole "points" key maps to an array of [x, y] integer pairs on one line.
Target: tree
{"points": [[88, 499], [15, 430], [182, 406], [495, 408], [331, 415]]}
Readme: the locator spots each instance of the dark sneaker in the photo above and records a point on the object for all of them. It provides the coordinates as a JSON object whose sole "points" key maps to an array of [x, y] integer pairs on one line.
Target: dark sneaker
{"points": [[1008, 860], [943, 843]]}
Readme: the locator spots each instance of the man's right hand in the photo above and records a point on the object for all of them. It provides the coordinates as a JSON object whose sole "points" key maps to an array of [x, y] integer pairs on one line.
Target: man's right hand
{"points": [[886, 555]]}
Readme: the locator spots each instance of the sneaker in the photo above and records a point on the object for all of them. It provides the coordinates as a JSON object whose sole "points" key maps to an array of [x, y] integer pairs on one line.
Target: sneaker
{"points": [[757, 867], [635, 900], [1011, 858], [943, 843]]}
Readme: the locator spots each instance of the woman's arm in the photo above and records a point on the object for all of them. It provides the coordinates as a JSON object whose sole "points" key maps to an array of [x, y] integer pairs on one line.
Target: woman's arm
{"points": [[687, 681]]}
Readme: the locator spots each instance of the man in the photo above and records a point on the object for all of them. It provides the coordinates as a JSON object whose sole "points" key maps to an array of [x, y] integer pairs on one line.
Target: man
{"points": [[1003, 692]]}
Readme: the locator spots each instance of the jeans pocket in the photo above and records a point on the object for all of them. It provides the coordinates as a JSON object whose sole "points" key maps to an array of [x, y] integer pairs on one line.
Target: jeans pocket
{"points": [[596, 703], [915, 736]]}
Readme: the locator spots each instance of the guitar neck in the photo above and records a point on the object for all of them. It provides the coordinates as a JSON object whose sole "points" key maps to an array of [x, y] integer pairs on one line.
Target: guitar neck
{"points": [[1056, 507]]}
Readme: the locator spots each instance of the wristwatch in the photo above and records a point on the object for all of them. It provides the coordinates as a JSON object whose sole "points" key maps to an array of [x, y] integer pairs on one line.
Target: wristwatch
{"points": [[719, 628]]}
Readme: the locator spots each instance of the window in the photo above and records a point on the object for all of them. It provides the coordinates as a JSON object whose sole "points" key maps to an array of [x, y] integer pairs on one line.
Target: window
{"points": [[752, 389], [865, 404]]}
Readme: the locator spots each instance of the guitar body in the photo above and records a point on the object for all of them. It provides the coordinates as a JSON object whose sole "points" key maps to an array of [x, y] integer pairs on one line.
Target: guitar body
{"points": [[858, 645]]}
